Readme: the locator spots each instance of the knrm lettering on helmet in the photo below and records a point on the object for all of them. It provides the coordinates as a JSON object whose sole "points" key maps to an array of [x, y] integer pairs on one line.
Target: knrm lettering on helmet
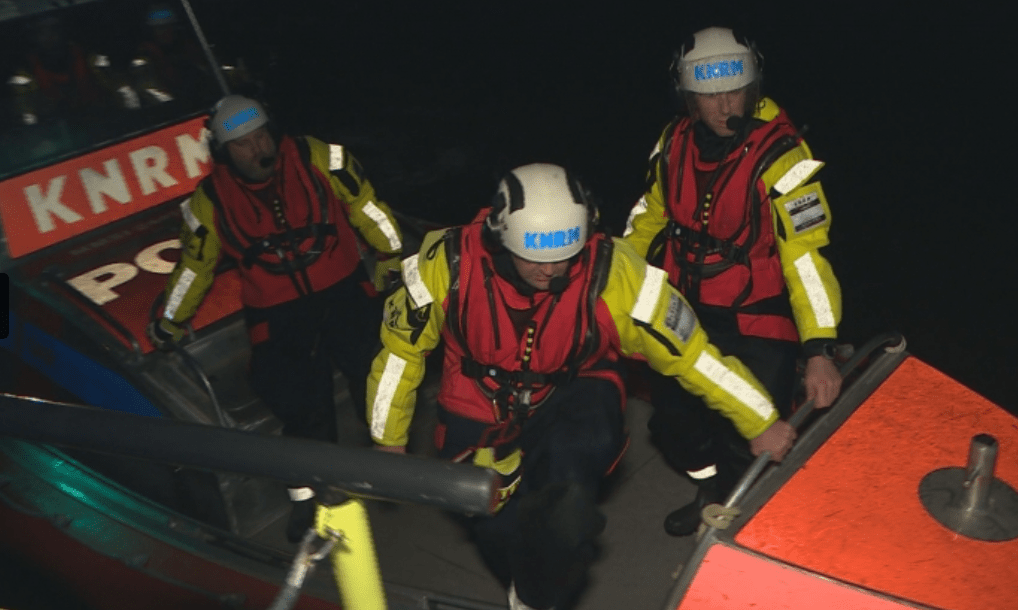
{"points": [[718, 69], [551, 239]]}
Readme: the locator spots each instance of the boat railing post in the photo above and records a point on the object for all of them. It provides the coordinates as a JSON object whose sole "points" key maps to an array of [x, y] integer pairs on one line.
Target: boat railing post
{"points": [[354, 561]]}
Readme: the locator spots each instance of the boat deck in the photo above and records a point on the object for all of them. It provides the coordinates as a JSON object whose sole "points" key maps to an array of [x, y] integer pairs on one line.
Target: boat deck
{"points": [[424, 548]]}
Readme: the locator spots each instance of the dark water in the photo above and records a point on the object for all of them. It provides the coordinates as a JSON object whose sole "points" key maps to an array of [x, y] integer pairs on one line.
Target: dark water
{"points": [[907, 107]]}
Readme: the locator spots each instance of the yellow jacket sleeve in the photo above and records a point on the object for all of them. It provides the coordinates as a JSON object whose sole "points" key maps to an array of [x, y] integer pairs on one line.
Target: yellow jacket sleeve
{"points": [[370, 216], [411, 327], [802, 220], [200, 250], [655, 323], [647, 218]]}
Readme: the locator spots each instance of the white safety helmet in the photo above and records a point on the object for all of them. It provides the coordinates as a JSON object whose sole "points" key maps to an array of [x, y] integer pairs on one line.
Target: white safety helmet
{"points": [[541, 213], [234, 117], [714, 61]]}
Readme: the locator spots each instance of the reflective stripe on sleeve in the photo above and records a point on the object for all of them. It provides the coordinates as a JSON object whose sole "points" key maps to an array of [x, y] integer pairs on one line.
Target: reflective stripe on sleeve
{"points": [[189, 218], [414, 284], [715, 371], [387, 385], [183, 283], [818, 300], [650, 291], [375, 213], [639, 208], [336, 157], [799, 173], [299, 494], [703, 473]]}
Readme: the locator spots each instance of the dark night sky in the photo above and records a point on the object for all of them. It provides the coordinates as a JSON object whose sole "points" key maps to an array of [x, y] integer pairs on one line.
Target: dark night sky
{"points": [[906, 106]]}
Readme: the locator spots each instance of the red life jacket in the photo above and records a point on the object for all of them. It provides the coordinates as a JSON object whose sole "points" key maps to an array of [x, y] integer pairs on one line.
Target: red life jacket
{"points": [[75, 87], [491, 372], [172, 65], [721, 246], [301, 244]]}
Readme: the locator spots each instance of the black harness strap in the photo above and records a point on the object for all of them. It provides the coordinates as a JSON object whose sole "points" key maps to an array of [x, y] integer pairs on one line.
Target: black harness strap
{"points": [[511, 383], [702, 244], [285, 242]]}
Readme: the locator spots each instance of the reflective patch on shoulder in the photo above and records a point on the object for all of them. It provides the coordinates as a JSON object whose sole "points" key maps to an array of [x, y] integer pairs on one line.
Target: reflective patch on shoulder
{"points": [[650, 291], [639, 208], [394, 367], [657, 149], [189, 218], [177, 295], [680, 318], [414, 284], [805, 212], [376, 214], [336, 157], [740, 389], [800, 172]]}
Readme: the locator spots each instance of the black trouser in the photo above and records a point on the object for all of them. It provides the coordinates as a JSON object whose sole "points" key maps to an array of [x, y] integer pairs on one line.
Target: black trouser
{"points": [[543, 539], [692, 436], [291, 371]]}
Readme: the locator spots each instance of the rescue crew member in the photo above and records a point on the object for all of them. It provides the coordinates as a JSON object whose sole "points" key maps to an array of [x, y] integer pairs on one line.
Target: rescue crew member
{"points": [[734, 214], [536, 309], [291, 212], [60, 79], [169, 64]]}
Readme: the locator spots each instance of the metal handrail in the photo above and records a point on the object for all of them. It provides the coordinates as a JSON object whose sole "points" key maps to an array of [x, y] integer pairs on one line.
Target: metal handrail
{"points": [[296, 462], [892, 342]]}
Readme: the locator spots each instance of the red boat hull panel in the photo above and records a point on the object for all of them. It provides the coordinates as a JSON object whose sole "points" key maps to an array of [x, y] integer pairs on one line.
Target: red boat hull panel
{"points": [[102, 582], [734, 580], [853, 512]]}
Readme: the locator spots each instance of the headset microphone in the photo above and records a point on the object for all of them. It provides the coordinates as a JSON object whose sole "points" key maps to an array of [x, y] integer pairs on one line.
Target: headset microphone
{"points": [[266, 162], [558, 284], [735, 123]]}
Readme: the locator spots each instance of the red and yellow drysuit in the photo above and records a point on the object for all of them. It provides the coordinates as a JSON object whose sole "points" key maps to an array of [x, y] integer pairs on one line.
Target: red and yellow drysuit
{"points": [[736, 233], [298, 240], [621, 307]]}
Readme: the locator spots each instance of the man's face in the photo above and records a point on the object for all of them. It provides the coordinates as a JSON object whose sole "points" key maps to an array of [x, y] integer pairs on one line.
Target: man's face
{"points": [[539, 275], [714, 109], [254, 155]]}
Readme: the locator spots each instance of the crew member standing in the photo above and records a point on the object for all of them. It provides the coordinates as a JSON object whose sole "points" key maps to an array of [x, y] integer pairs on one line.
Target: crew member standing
{"points": [[734, 214], [292, 212]]}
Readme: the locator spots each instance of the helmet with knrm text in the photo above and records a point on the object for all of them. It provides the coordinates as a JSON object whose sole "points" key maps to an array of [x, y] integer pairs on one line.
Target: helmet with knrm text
{"points": [[542, 214], [716, 60], [234, 117]]}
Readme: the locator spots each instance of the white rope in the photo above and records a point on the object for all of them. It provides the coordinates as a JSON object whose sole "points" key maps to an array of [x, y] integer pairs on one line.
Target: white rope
{"points": [[716, 516]]}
